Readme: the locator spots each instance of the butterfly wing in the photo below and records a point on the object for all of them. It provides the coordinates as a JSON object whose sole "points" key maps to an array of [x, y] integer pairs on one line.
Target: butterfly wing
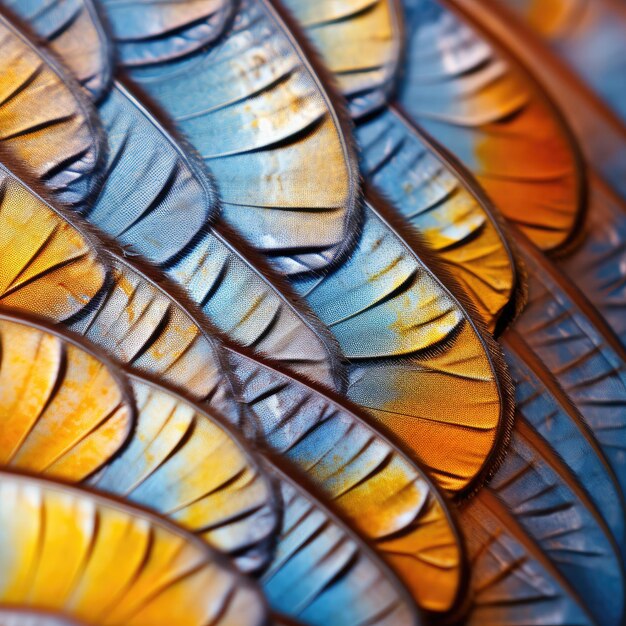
{"points": [[70, 564], [75, 33], [51, 384], [360, 41], [157, 31], [322, 571], [257, 114], [61, 141]]}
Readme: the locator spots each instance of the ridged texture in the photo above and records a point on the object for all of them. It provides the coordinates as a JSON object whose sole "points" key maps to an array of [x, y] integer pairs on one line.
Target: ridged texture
{"points": [[139, 323], [494, 118], [598, 266], [135, 321], [155, 218], [372, 483], [546, 531], [184, 464], [416, 361], [513, 581], [257, 114], [322, 574], [541, 495], [60, 552], [47, 266], [154, 197], [588, 366], [600, 133], [360, 43], [157, 31], [74, 32], [589, 35], [59, 141], [597, 263], [545, 409], [64, 412], [397, 160], [166, 217], [383, 303]]}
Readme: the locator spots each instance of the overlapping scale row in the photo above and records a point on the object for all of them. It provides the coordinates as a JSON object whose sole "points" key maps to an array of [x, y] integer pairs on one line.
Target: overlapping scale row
{"points": [[62, 553], [258, 336]]}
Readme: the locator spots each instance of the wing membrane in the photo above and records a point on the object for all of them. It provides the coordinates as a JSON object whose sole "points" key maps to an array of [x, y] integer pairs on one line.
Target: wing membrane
{"points": [[549, 505], [399, 161], [183, 463], [512, 580], [575, 346], [506, 131], [74, 32], [51, 384], [360, 42], [323, 572], [369, 480], [490, 114], [550, 413], [417, 362], [157, 31], [47, 267], [60, 141], [168, 217], [140, 322], [257, 115], [61, 551]]}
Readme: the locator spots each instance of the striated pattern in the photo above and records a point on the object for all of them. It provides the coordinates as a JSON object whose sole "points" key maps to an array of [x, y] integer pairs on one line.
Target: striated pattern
{"points": [[59, 548], [181, 462], [162, 30], [549, 413], [47, 266], [545, 500], [586, 362], [513, 581], [74, 32], [498, 121], [64, 412], [599, 265], [366, 380], [370, 481], [430, 197], [167, 218], [479, 104], [398, 160], [59, 141], [360, 42], [261, 121], [417, 362], [154, 197], [134, 320], [140, 323], [322, 573]]}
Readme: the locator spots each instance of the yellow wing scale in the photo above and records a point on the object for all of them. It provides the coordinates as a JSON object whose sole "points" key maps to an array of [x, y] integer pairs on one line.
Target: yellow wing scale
{"points": [[61, 552]]}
